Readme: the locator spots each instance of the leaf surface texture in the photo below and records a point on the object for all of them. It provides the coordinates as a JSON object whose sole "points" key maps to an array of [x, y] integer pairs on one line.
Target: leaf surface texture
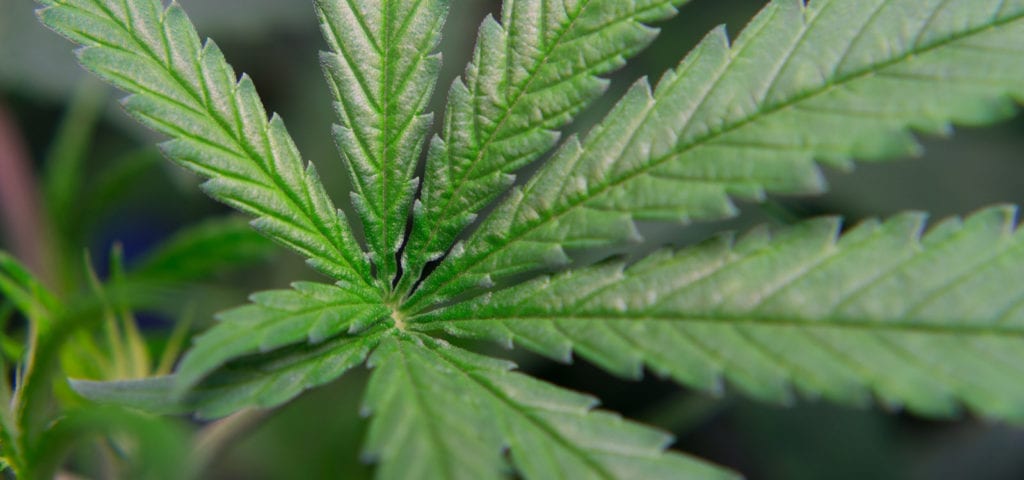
{"points": [[530, 75], [309, 314], [443, 412], [924, 322], [185, 89], [829, 81], [382, 72]]}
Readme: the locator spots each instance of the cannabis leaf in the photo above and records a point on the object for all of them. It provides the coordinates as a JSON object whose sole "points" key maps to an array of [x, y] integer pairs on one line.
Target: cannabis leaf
{"points": [[309, 313], [260, 380], [529, 76], [922, 322], [828, 81], [185, 89], [443, 412], [382, 74], [926, 321]]}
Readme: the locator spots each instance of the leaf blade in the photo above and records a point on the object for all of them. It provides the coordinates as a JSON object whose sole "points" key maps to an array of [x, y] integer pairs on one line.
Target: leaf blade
{"points": [[219, 129], [530, 75], [262, 381], [717, 127], [382, 68], [309, 314], [924, 321], [549, 432]]}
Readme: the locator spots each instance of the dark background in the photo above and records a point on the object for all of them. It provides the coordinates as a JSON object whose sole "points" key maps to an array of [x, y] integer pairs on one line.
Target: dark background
{"points": [[318, 436]]}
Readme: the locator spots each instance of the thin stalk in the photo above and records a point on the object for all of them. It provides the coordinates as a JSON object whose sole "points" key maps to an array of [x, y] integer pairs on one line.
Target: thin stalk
{"points": [[21, 215], [215, 439]]}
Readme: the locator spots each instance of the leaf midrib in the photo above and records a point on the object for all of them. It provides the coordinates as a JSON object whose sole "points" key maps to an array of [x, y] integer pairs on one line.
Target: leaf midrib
{"points": [[424, 406], [756, 320], [522, 93], [713, 135], [467, 372], [234, 136], [506, 114]]}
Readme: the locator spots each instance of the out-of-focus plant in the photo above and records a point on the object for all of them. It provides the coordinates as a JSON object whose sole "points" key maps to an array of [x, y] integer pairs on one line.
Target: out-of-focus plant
{"points": [[64, 321]]}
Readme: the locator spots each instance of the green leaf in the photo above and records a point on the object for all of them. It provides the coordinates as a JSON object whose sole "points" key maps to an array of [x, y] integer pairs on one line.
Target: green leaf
{"points": [[257, 381], [161, 446], [442, 412], [827, 81], [530, 76], [202, 250], [153, 395], [186, 90], [920, 322], [311, 313], [28, 296], [927, 322], [382, 72]]}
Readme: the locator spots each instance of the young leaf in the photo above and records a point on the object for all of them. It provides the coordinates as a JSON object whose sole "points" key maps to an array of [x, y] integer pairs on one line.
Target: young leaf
{"points": [[28, 296], [828, 81], [382, 73], [922, 322], [186, 90], [310, 313], [529, 76], [442, 412]]}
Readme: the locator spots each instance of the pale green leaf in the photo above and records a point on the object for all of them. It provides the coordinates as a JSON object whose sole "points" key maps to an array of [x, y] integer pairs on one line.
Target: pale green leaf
{"points": [[530, 75], [186, 90], [443, 412], [382, 72], [827, 81], [921, 322]]}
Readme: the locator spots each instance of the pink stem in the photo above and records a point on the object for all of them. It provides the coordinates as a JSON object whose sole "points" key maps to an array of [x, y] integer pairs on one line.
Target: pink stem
{"points": [[20, 203]]}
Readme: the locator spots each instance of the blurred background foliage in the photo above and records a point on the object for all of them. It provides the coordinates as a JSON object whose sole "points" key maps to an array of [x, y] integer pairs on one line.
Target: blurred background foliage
{"points": [[105, 207]]}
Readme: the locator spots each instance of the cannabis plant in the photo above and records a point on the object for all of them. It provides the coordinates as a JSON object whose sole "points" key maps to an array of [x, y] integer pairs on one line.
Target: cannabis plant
{"points": [[930, 322]]}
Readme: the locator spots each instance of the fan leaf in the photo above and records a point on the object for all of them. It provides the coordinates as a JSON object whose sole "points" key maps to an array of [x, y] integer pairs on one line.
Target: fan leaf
{"points": [[309, 314], [530, 75], [258, 381], [443, 412], [185, 89], [828, 81], [922, 322], [382, 72]]}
